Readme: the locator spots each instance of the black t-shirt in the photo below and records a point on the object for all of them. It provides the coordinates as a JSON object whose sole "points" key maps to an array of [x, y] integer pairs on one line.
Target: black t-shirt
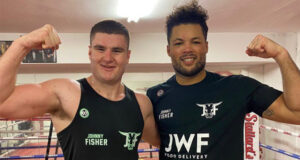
{"points": [[205, 120], [103, 129]]}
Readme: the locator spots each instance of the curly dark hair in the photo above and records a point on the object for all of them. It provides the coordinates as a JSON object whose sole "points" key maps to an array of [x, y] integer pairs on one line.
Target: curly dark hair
{"points": [[190, 13]]}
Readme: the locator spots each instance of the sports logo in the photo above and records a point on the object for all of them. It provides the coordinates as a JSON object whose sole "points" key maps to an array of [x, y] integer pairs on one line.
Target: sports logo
{"points": [[131, 139], [160, 93], [84, 113], [165, 114], [209, 109], [186, 141]]}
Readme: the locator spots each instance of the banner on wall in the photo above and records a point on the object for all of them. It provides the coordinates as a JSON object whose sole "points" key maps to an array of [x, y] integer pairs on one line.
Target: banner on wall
{"points": [[4, 46], [251, 137], [34, 56]]}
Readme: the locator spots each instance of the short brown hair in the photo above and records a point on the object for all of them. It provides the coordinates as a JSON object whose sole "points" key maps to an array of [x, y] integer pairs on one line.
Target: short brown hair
{"points": [[110, 27]]}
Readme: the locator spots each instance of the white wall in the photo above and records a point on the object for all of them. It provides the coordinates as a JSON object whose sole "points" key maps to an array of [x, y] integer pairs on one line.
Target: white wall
{"points": [[74, 48], [272, 75], [151, 47]]}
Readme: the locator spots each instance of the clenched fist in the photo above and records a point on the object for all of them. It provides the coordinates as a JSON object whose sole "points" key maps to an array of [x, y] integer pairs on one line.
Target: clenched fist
{"points": [[265, 48], [45, 37]]}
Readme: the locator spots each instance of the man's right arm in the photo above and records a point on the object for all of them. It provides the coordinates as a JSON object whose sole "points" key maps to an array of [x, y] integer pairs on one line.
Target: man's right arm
{"points": [[23, 101]]}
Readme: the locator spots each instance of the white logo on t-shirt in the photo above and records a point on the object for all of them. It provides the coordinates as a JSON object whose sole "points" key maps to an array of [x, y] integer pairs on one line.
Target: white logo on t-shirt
{"points": [[209, 109]]}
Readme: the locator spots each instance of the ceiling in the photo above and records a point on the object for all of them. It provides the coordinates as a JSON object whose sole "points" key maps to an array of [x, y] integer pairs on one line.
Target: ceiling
{"points": [[21, 16]]}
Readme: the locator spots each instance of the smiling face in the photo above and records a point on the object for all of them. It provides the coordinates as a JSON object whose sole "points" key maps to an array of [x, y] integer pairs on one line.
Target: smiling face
{"points": [[187, 49], [109, 56]]}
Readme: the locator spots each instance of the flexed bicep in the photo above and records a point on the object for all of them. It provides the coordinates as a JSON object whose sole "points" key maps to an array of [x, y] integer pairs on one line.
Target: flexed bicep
{"points": [[278, 111], [28, 101]]}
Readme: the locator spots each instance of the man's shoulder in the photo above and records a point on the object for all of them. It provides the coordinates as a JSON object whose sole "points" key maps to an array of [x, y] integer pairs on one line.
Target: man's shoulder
{"points": [[62, 88], [141, 97], [156, 92], [237, 78], [158, 87], [61, 83], [244, 80], [68, 93]]}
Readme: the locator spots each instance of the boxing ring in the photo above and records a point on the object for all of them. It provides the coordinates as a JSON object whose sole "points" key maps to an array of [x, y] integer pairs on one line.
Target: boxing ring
{"points": [[35, 139], [278, 150]]}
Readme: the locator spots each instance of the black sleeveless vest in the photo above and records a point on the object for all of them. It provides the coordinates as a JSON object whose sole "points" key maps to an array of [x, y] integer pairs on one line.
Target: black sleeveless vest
{"points": [[103, 129]]}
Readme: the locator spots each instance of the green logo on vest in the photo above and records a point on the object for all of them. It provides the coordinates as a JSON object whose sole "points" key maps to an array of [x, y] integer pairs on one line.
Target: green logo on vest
{"points": [[84, 113], [131, 139]]}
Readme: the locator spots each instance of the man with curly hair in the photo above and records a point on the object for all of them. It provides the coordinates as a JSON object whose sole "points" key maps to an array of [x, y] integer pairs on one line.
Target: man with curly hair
{"points": [[200, 114]]}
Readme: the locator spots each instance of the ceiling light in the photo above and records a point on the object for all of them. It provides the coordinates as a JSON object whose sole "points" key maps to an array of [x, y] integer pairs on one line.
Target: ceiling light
{"points": [[135, 9]]}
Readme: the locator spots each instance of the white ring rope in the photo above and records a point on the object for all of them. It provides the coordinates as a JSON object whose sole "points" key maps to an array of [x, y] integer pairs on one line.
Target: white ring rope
{"points": [[12, 124], [26, 131], [280, 131], [26, 138]]}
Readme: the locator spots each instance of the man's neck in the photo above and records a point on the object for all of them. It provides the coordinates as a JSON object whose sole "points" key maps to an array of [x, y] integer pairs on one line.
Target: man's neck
{"points": [[111, 91], [190, 80]]}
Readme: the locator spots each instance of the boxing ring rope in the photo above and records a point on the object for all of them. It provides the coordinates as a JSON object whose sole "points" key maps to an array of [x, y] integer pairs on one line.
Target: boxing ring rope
{"points": [[47, 118], [10, 125], [29, 131], [280, 151], [30, 119], [280, 131], [49, 141], [50, 156], [61, 155], [22, 134], [25, 138], [27, 147], [32, 157], [140, 151], [38, 118], [33, 147]]}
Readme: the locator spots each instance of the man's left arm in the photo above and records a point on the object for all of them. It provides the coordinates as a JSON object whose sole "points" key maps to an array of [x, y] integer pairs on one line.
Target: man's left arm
{"points": [[285, 108], [150, 132]]}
